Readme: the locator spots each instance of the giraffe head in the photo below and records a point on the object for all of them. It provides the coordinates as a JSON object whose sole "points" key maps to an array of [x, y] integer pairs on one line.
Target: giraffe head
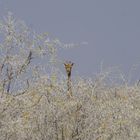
{"points": [[68, 66]]}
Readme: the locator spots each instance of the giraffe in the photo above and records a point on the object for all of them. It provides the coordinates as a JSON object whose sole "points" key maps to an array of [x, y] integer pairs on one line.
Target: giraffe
{"points": [[68, 66]]}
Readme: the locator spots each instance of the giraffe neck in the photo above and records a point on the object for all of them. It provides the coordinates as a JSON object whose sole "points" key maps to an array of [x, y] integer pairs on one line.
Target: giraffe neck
{"points": [[69, 86]]}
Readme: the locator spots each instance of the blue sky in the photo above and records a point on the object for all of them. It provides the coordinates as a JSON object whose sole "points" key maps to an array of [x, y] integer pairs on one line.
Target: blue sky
{"points": [[111, 28]]}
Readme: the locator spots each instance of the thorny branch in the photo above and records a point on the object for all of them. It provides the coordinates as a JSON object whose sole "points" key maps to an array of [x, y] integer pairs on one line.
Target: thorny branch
{"points": [[26, 63]]}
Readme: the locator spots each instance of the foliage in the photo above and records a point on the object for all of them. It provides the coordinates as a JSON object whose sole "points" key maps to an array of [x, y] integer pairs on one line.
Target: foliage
{"points": [[34, 103]]}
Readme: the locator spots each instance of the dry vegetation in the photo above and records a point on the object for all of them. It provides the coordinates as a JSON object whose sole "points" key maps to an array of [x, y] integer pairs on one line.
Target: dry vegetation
{"points": [[34, 103]]}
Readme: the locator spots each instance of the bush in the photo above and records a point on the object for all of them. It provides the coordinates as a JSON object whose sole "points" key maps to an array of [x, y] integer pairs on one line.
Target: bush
{"points": [[34, 103]]}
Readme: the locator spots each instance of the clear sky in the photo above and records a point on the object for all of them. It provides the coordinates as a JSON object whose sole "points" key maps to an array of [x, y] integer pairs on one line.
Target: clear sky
{"points": [[111, 28]]}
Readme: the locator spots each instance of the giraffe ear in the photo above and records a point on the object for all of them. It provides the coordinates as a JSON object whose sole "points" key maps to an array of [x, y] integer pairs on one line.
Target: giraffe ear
{"points": [[65, 64]]}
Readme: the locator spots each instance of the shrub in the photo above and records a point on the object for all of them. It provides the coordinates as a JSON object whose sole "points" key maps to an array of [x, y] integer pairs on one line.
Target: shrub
{"points": [[34, 104]]}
